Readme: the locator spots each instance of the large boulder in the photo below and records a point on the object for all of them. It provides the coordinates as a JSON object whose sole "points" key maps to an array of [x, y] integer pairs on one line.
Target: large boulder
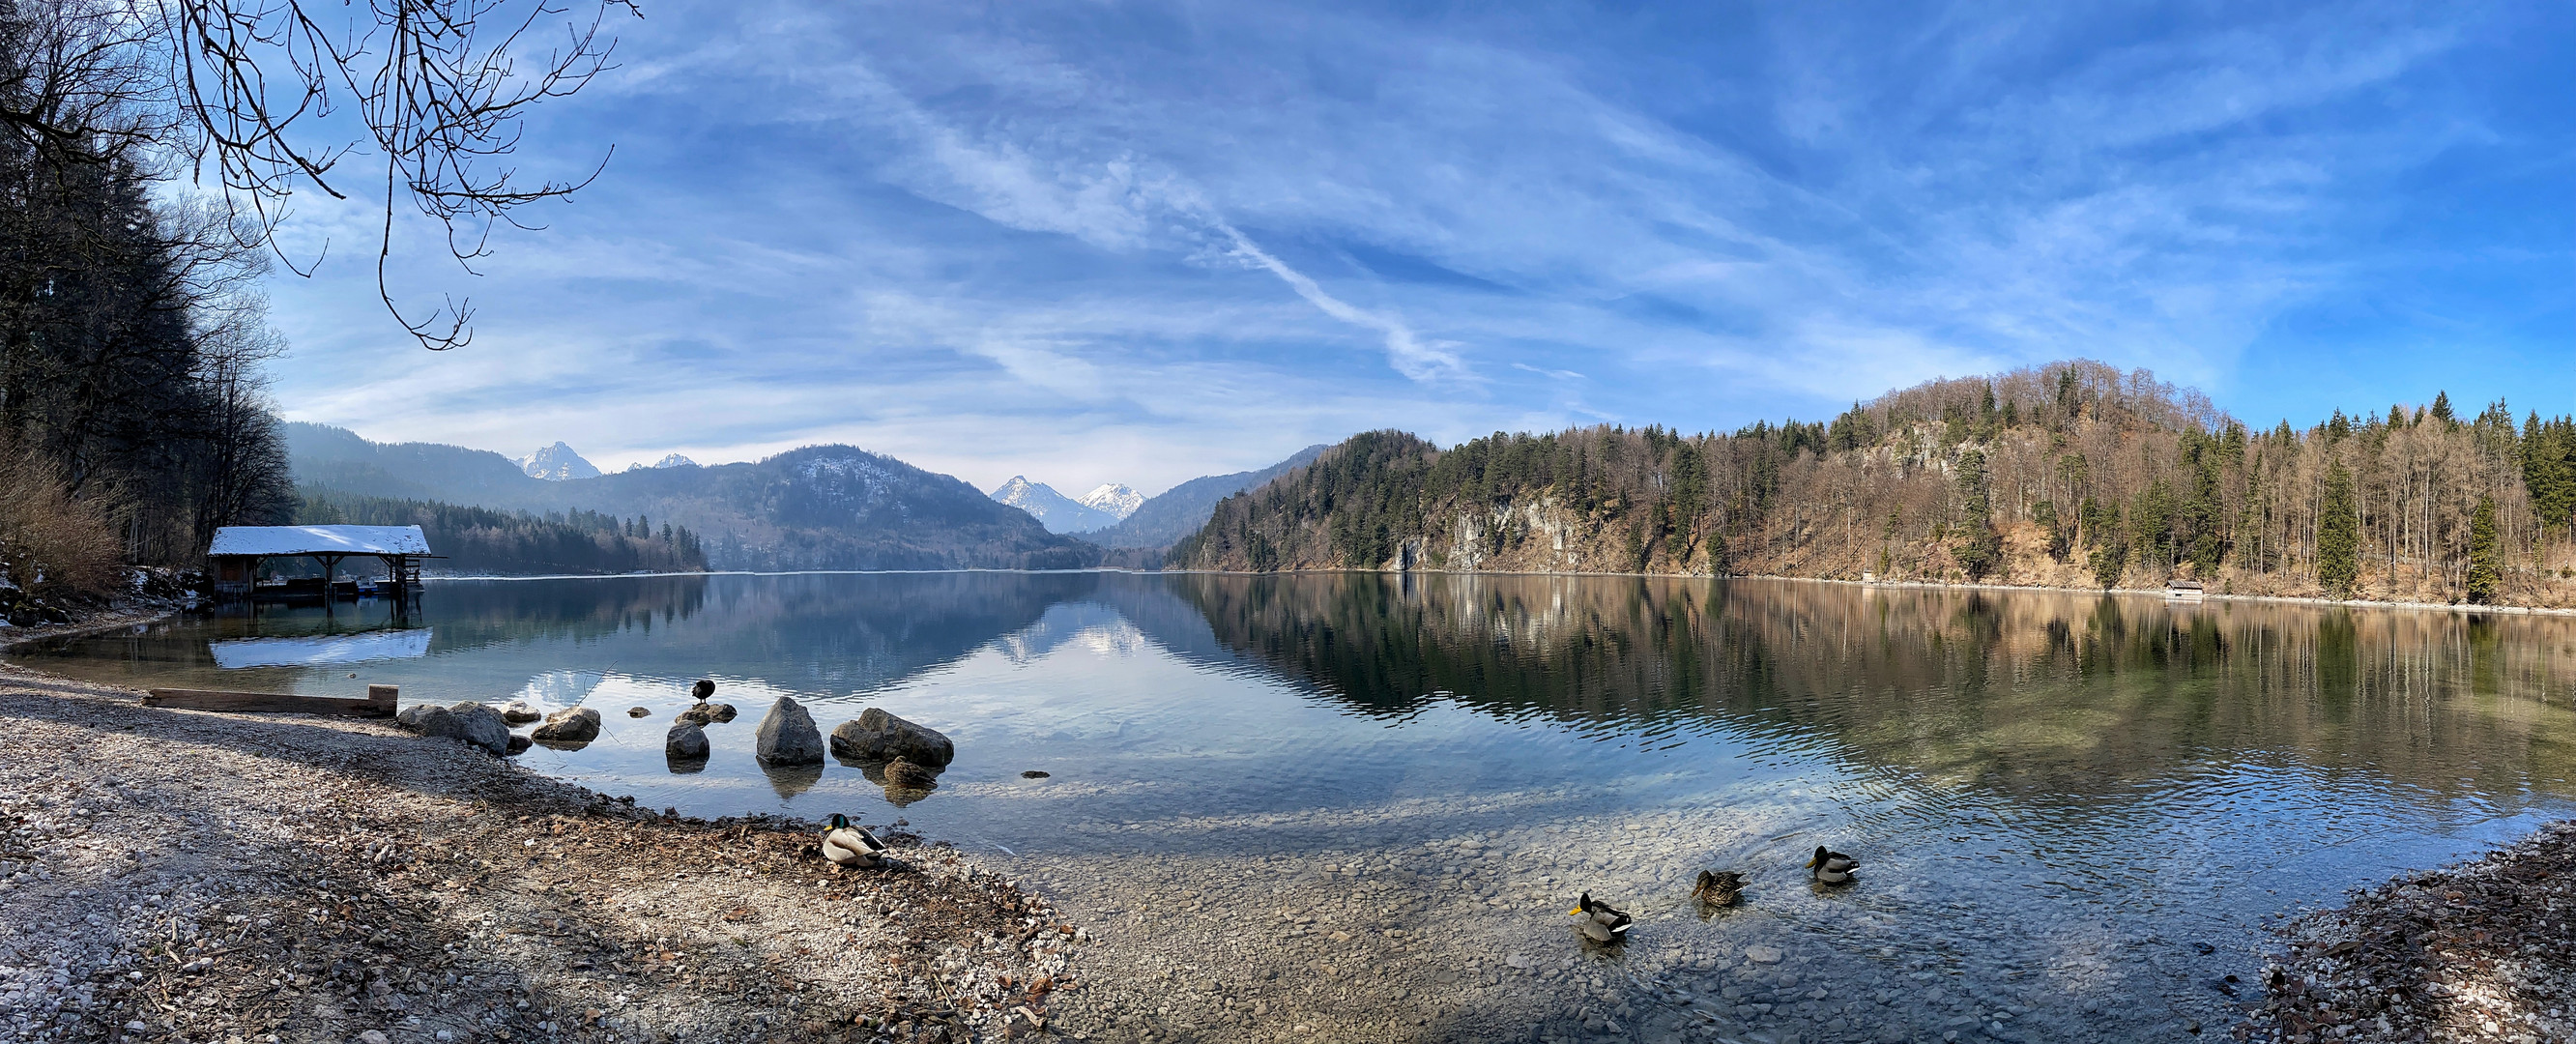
{"points": [[481, 726], [687, 741], [788, 736], [878, 736], [570, 725], [467, 722], [421, 717]]}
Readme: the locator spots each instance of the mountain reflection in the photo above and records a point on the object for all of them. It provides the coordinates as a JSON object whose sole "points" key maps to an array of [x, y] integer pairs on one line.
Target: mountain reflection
{"points": [[2001, 690]]}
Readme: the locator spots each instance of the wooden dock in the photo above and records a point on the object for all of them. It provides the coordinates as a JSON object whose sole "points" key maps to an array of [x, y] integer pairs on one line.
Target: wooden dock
{"points": [[378, 704]]}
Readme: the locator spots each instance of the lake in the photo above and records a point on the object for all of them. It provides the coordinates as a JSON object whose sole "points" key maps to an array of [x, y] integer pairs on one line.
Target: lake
{"points": [[2074, 813]]}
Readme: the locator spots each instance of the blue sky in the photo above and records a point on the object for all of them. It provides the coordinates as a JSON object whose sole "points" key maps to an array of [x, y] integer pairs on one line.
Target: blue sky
{"points": [[1141, 242]]}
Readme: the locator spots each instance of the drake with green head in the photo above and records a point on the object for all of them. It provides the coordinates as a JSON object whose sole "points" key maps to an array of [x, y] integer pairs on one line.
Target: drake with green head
{"points": [[849, 844], [1831, 867], [1600, 923]]}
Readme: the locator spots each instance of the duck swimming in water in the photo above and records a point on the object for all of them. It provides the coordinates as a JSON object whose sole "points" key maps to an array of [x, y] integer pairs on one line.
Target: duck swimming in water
{"points": [[1831, 867], [848, 844], [1718, 887], [1600, 923]]}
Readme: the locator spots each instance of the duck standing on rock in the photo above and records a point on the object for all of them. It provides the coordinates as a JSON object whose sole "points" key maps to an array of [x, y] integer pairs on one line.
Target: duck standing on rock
{"points": [[1831, 867], [849, 844], [1718, 888], [1600, 923]]}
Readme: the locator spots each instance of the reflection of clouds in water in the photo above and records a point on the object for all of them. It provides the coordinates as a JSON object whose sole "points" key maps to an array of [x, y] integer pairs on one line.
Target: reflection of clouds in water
{"points": [[1089, 626]]}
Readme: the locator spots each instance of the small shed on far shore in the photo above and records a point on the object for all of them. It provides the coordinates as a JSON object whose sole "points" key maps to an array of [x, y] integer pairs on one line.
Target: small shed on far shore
{"points": [[235, 555]]}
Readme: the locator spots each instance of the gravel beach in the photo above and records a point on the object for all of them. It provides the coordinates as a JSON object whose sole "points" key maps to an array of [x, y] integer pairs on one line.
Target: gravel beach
{"points": [[176, 875], [2478, 952]]}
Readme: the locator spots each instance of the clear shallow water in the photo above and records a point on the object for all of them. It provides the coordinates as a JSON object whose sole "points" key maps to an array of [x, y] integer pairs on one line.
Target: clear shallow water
{"points": [[2051, 794]]}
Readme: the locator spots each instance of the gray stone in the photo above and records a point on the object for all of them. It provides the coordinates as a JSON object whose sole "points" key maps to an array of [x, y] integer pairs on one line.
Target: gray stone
{"points": [[788, 737], [569, 725], [687, 742], [421, 717], [878, 736], [478, 725], [518, 713], [468, 722], [519, 745]]}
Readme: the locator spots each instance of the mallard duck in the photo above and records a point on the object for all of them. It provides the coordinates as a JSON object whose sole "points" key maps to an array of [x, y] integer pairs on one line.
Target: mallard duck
{"points": [[1831, 867], [1718, 887], [1601, 924], [849, 844]]}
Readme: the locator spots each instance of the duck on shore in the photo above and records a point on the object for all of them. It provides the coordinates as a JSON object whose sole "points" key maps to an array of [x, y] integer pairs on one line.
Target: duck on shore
{"points": [[849, 844], [1831, 867], [1601, 924]]}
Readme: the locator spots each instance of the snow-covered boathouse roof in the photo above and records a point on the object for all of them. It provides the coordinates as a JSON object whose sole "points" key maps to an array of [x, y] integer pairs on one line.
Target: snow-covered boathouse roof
{"points": [[318, 540]]}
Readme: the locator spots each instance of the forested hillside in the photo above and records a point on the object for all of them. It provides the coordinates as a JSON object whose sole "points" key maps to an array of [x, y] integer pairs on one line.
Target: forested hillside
{"points": [[480, 540], [2070, 474]]}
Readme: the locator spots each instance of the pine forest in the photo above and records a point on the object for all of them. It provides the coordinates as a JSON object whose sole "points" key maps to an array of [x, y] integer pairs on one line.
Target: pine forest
{"points": [[2070, 474]]}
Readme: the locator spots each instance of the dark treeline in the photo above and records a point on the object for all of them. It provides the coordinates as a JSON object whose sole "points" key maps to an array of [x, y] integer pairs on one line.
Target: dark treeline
{"points": [[481, 540], [131, 418], [2070, 474]]}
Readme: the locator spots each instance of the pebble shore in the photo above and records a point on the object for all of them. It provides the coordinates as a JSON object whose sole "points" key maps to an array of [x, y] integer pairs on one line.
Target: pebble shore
{"points": [[170, 875], [2478, 952]]}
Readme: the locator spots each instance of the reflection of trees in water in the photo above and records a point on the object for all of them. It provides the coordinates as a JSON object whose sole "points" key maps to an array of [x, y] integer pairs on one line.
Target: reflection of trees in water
{"points": [[2020, 689]]}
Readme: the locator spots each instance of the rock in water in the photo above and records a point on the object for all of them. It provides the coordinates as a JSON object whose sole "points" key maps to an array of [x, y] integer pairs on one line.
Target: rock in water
{"points": [[570, 725], [479, 725], [639, 712], [879, 736], [686, 742], [724, 712], [905, 774], [518, 713], [708, 713], [519, 745], [788, 736]]}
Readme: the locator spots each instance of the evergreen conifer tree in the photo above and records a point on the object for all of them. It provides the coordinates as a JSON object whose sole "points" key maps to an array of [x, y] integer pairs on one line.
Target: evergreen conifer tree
{"points": [[2338, 536], [1982, 549], [2484, 569]]}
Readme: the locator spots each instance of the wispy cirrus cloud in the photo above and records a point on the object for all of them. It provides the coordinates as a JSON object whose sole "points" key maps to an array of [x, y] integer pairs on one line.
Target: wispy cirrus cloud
{"points": [[1151, 241]]}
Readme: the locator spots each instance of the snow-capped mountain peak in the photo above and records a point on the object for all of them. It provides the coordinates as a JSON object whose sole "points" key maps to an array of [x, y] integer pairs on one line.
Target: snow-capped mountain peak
{"points": [[1116, 498], [675, 461], [1057, 512], [557, 463]]}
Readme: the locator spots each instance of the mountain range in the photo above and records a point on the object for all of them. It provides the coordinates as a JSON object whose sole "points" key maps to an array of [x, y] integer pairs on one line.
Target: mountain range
{"points": [[1057, 512], [821, 507]]}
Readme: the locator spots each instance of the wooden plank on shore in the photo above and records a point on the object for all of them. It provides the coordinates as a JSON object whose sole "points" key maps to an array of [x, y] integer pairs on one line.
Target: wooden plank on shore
{"points": [[378, 704]]}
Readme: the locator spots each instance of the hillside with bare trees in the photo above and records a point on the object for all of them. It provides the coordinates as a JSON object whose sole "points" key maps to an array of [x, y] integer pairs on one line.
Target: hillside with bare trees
{"points": [[2070, 474]]}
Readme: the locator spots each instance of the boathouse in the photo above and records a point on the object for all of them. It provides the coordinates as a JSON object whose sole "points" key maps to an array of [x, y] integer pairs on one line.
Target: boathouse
{"points": [[235, 556]]}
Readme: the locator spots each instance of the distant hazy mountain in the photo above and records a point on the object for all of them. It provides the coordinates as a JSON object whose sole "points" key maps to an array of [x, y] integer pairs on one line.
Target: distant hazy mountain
{"points": [[336, 458], [1182, 509], [557, 463], [1059, 513], [675, 461], [1116, 499], [821, 507]]}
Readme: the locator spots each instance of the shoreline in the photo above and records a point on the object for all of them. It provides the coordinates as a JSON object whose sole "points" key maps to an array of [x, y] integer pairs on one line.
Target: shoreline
{"points": [[1925, 585], [2476, 951], [187, 875]]}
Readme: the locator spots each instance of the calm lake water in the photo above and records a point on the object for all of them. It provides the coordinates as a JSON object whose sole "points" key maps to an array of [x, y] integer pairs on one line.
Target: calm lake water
{"points": [[2102, 797]]}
